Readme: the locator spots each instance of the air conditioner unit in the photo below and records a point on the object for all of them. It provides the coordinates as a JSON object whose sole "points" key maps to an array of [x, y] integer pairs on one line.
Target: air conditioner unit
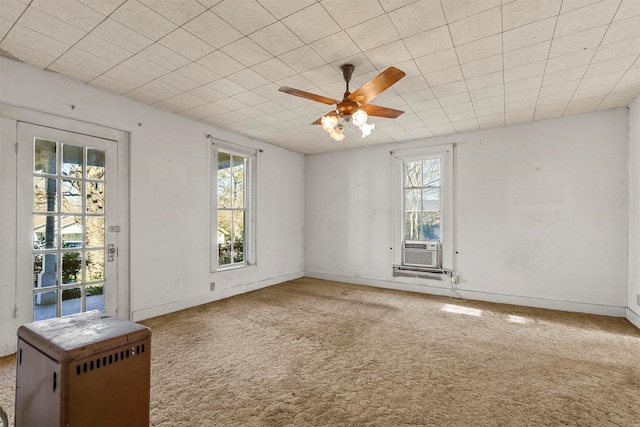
{"points": [[418, 253]]}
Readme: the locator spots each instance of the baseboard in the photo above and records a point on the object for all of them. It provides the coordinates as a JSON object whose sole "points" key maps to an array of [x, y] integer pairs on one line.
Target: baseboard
{"points": [[159, 310], [9, 348], [633, 317], [578, 307]]}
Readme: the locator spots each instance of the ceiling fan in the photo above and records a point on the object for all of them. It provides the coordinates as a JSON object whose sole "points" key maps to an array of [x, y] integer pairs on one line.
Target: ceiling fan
{"points": [[354, 106]]}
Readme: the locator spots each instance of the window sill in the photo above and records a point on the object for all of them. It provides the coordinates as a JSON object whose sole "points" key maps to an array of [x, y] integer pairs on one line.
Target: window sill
{"points": [[233, 267], [421, 272]]}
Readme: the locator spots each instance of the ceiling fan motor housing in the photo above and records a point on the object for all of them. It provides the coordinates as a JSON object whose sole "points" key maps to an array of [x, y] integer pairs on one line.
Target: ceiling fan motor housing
{"points": [[347, 107]]}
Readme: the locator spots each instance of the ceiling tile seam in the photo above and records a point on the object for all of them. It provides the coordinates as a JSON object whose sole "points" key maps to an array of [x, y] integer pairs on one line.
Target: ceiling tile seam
{"points": [[595, 51], [469, 16], [464, 79], [191, 61], [589, 5], [328, 13], [360, 23], [15, 22], [422, 75], [616, 83], [108, 41], [426, 82], [44, 12], [86, 33], [544, 72], [97, 11], [152, 11], [220, 49], [28, 48], [237, 29], [181, 27]]}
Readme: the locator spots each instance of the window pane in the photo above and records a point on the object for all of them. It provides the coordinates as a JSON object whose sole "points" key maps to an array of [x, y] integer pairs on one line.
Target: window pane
{"points": [[95, 232], [48, 271], [431, 199], [72, 196], [412, 200], [238, 182], [37, 268], [71, 268], [72, 160], [44, 158], [45, 305], [238, 236], [71, 231], [95, 197], [430, 227], [44, 195], [95, 265], [95, 163], [224, 180], [95, 297], [431, 173], [71, 301], [413, 174], [412, 222], [45, 230], [225, 237]]}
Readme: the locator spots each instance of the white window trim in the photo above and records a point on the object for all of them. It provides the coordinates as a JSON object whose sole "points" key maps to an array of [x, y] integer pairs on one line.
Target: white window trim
{"points": [[446, 153], [250, 198]]}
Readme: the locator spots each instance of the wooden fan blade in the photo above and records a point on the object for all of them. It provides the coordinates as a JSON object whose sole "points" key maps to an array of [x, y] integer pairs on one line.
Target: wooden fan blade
{"points": [[308, 95], [375, 110], [377, 85]]}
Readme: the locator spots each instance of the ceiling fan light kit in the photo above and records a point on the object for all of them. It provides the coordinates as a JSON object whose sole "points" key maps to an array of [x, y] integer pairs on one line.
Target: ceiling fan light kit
{"points": [[354, 107]]}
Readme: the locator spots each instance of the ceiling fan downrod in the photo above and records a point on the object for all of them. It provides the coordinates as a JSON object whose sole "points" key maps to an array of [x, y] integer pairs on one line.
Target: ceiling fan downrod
{"points": [[347, 71]]}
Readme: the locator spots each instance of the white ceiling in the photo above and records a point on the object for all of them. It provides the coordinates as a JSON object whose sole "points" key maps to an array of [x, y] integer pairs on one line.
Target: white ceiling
{"points": [[470, 64]]}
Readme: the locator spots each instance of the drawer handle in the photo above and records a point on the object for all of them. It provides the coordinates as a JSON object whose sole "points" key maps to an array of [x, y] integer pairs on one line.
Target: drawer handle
{"points": [[55, 381]]}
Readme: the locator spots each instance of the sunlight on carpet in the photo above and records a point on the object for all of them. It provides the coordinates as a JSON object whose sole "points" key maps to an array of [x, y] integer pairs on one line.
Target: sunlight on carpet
{"points": [[319, 353]]}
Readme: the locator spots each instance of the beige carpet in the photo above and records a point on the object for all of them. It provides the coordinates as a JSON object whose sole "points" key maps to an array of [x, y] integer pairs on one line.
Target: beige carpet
{"points": [[317, 353]]}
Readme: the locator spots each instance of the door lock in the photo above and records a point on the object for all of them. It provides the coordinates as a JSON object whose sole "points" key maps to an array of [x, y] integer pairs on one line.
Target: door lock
{"points": [[111, 252]]}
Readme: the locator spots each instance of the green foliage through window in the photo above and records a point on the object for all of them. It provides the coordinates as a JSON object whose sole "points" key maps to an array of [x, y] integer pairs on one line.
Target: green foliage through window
{"points": [[231, 203]]}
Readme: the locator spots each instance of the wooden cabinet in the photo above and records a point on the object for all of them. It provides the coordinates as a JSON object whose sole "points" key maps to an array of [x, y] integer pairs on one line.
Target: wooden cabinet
{"points": [[88, 369]]}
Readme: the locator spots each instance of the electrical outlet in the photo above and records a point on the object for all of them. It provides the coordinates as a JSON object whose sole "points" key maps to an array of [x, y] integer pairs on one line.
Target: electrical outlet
{"points": [[638, 301], [212, 286], [455, 279]]}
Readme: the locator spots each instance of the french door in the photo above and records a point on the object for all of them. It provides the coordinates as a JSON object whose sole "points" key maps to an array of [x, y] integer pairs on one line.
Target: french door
{"points": [[67, 216]]}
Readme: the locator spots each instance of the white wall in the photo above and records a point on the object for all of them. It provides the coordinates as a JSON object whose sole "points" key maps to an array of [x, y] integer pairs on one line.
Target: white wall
{"points": [[541, 214], [633, 308], [169, 197]]}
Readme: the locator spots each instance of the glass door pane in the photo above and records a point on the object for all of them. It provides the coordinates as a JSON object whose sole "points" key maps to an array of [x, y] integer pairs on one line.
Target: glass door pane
{"points": [[69, 216]]}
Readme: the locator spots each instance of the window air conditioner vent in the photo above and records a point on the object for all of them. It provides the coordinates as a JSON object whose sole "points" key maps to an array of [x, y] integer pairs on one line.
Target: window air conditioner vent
{"points": [[421, 253]]}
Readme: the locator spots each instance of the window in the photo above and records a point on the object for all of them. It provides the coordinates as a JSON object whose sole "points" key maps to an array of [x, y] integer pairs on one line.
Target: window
{"points": [[423, 199], [233, 217]]}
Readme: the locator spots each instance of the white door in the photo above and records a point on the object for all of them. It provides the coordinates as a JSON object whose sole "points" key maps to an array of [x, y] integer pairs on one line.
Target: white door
{"points": [[67, 223]]}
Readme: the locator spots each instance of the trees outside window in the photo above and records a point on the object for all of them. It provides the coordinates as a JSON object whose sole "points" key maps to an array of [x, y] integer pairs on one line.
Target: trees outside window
{"points": [[233, 217], [422, 198], [231, 208]]}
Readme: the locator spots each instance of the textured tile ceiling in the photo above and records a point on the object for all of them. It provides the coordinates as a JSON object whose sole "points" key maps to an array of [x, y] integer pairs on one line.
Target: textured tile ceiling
{"points": [[470, 64]]}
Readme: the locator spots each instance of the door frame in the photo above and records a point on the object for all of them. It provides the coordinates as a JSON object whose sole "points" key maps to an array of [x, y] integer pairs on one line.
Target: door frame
{"points": [[10, 116]]}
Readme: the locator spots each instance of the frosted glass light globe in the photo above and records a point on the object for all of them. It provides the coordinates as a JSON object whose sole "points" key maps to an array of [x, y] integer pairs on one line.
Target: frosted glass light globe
{"points": [[359, 118]]}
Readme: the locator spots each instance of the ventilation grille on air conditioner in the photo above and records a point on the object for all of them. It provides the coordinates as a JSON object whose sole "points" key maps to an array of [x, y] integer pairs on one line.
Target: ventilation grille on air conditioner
{"points": [[421, 253]]}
